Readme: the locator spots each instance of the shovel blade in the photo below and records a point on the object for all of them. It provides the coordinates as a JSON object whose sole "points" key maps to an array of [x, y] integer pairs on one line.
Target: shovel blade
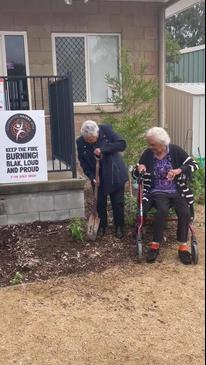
{"points": [[93, 226]]}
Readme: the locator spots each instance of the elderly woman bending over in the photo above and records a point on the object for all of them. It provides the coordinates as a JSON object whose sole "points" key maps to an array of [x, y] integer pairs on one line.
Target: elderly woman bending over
{"points": [[102, 141], [167, 168]]}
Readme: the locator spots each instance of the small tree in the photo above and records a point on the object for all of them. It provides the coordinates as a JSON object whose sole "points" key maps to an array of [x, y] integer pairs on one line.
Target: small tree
{"points": [[172, 55], [135, 96], [172, 49], [188, 27]]}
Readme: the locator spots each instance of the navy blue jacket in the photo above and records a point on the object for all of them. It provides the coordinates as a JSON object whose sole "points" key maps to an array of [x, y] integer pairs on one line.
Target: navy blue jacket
{"points": [[113, 172]]}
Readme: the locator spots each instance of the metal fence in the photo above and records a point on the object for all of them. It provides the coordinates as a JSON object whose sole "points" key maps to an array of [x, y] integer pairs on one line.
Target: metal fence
{"points": [[190, 68], [53, 94]]}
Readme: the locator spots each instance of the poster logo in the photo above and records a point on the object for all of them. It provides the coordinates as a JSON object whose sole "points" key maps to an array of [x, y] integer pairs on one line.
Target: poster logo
{"points": [[20, 128]]}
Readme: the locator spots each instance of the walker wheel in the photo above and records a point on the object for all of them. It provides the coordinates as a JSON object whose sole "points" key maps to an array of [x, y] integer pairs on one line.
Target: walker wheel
{"points": [[194, 252]]}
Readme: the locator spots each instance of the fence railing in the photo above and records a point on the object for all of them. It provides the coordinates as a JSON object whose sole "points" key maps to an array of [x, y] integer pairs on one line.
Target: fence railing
{"points": [[189, 69], [53, 94]]}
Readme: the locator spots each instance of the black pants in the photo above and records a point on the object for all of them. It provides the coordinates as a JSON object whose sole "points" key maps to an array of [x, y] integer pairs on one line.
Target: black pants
{"points": [[162, 202], [117, 201]]}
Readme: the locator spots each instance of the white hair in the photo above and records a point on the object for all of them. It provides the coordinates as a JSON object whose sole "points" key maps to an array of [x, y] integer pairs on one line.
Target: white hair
{"points": [[89, 128], [159, 134]]}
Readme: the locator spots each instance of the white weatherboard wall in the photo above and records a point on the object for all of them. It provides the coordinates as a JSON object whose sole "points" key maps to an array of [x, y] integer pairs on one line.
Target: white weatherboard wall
{"points": [[185, 116]]}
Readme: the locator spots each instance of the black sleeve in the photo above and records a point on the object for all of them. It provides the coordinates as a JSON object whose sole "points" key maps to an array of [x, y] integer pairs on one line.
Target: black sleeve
{"points": [[116, 142], [83, 163], [144, 158], [187, 164]]}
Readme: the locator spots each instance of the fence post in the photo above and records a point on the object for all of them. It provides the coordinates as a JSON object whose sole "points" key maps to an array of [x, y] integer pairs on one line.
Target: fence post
{"points": [[73, 160]]}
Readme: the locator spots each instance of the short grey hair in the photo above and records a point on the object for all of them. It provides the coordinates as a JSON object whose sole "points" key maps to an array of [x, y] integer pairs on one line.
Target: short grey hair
{"points": [[159, 134], [89, 128]]}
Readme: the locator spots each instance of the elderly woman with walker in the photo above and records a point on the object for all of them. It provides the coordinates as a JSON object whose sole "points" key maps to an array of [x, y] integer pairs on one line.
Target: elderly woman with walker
{"points": [[166, 169]]}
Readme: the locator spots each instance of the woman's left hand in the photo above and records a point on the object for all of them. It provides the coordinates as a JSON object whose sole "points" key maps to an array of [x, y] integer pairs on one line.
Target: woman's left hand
{"points": [[97, 152], [172, 173]]}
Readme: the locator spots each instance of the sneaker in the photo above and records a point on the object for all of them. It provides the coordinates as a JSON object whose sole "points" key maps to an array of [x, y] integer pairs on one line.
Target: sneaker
{"points": [[184, 255], [152, 252], [119, 233]]}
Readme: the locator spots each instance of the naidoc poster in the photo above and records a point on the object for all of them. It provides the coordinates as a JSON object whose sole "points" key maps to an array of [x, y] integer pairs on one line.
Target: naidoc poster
{"points": [[22, 146]]}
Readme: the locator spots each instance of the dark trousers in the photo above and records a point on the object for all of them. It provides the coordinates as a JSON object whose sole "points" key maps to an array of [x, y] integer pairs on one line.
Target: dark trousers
{"points": [[117, 201], [162, 202]]}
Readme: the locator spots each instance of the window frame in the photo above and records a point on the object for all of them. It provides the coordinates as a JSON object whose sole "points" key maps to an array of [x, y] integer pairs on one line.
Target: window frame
{"points": [[24, 34], [26, 53], [87, 68]]}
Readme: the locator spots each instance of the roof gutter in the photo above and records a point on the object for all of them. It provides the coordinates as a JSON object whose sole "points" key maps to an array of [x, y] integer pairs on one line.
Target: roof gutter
{"points": [[170, 3], [162, 63], [162, 67], [180, 6]]}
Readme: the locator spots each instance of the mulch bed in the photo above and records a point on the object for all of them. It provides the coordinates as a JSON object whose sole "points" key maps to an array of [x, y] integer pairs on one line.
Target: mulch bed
{"points": [[41, 251]]}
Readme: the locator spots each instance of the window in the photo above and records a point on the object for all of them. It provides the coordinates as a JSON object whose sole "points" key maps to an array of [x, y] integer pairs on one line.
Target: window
{"points": [[89, 58], [15, 55], [13, 63]]}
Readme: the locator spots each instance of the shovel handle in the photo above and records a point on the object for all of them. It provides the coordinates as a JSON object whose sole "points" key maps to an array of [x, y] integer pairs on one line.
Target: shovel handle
{"points": [[96, 185]]}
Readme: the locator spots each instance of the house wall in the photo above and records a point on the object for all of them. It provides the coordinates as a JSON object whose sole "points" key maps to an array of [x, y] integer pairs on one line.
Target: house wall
{"points": [[136, 22]]}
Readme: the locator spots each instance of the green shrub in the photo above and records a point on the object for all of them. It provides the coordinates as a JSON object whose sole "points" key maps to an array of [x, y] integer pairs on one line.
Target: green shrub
{"points": [[130, 209], [17, 279], [76, 228], [198, 185], [135, 96]]}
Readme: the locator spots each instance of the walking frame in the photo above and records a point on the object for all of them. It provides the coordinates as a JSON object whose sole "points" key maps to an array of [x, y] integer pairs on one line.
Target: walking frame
{"points": [[139, 239]]}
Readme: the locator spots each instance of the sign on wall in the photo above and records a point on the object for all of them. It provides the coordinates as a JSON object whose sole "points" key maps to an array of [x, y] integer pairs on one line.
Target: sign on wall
{"points": [[22, 146], [2, 96]]}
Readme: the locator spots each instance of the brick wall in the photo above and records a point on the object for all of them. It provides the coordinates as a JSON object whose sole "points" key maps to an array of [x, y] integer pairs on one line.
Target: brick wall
{"points": [[49, 201], [136, 21]]}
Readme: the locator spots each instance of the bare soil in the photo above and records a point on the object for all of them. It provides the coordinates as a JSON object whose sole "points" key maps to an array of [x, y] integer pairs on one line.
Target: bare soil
{"points": [[91, 303]]}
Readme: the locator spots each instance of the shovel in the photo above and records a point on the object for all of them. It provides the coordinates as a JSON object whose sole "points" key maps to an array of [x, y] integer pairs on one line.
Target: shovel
{"points": [[94, 219]]}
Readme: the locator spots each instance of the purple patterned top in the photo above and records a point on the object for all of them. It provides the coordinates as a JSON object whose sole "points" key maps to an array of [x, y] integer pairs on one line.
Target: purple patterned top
{"points": [[161, 169]]}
